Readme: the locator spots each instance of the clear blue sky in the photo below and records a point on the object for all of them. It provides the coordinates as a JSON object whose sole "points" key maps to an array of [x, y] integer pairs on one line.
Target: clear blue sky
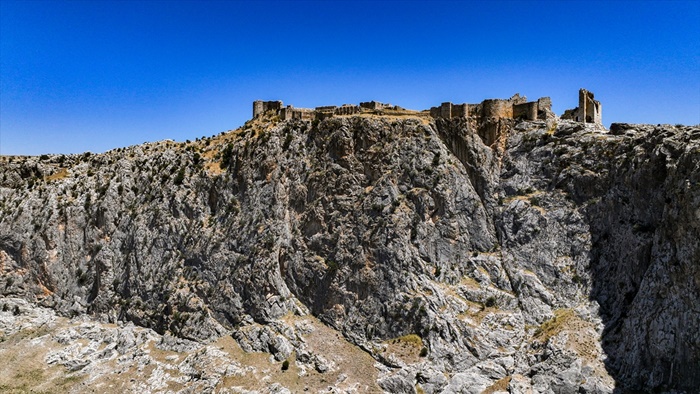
{"points": [[91, 76]]}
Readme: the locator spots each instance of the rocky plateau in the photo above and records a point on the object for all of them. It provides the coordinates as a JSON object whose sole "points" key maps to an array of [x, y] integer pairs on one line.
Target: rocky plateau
{"points": [[366, 253]]}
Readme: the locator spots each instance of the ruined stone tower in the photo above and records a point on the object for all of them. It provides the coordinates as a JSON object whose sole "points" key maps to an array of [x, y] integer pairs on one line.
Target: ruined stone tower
{"points": [[589, 110], [260, 107]]}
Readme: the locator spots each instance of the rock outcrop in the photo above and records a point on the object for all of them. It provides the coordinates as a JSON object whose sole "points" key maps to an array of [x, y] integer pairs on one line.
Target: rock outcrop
{"points": [[522, 256]]}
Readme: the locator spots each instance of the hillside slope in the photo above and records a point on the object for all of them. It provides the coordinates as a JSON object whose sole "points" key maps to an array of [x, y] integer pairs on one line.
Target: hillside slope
{"points": [[561, 258]]}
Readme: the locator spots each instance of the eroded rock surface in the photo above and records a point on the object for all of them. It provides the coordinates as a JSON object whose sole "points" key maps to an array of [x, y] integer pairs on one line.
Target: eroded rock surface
{"points": [[560, 258]]}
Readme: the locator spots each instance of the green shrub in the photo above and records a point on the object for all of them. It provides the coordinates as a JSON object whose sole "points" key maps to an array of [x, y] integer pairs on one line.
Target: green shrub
{"points": [[332, 266], [285, 365], [436, 159], [180, 176], [226, 156], [490, 302], [287, 140]]}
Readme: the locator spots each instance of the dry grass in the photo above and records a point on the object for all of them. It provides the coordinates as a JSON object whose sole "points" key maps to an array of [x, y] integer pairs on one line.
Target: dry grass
{"points": [[348, 359], [555, 325], [478, 316], [213, 168], [60, 174], [470, 282], [24, 369], [500, 385], [407, 348], [582, 337], [531, 198]]}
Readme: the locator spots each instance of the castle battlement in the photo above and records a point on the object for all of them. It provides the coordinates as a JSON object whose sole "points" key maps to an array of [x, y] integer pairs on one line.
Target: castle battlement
{"points": [[516, 107]]}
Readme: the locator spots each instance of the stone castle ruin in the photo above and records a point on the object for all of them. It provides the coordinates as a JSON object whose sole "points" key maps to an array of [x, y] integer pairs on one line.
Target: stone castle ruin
{"points": [[588, 110], [290, 112], [516, 107]]}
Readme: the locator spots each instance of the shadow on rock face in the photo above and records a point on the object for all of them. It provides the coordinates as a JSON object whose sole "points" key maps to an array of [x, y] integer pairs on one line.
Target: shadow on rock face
{"points": [[645, 266]]}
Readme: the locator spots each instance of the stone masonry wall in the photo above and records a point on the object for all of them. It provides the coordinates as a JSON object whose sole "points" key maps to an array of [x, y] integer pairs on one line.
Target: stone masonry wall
{"points": [[525, 111], [260, 107]]}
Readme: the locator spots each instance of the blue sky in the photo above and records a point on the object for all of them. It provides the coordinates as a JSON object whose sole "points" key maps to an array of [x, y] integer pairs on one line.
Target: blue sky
{"points": [[91, 76]]}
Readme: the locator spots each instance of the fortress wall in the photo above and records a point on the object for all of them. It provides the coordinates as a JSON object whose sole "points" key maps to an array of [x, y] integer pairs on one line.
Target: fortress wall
{"points": [[475, 109], [260, 107], [347, 109], [525, 111], [496, 108], [286, 113], [544, 108], [446, 110], [257, 108], [274, 106], [516, 107], [460, 110], [303, 114], [374, 105], [544, 103]]}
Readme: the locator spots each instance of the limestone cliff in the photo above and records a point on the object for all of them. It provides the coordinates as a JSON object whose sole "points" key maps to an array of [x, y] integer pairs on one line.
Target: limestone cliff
{"points": [[558, 258]]}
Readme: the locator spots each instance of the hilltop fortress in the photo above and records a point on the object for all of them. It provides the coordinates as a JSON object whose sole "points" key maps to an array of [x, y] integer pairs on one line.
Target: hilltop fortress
{"points": [[588, 111]]}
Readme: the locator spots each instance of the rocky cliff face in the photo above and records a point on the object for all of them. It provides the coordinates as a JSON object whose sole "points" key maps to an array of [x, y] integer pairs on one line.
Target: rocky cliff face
{"points": [[558, 258]]}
